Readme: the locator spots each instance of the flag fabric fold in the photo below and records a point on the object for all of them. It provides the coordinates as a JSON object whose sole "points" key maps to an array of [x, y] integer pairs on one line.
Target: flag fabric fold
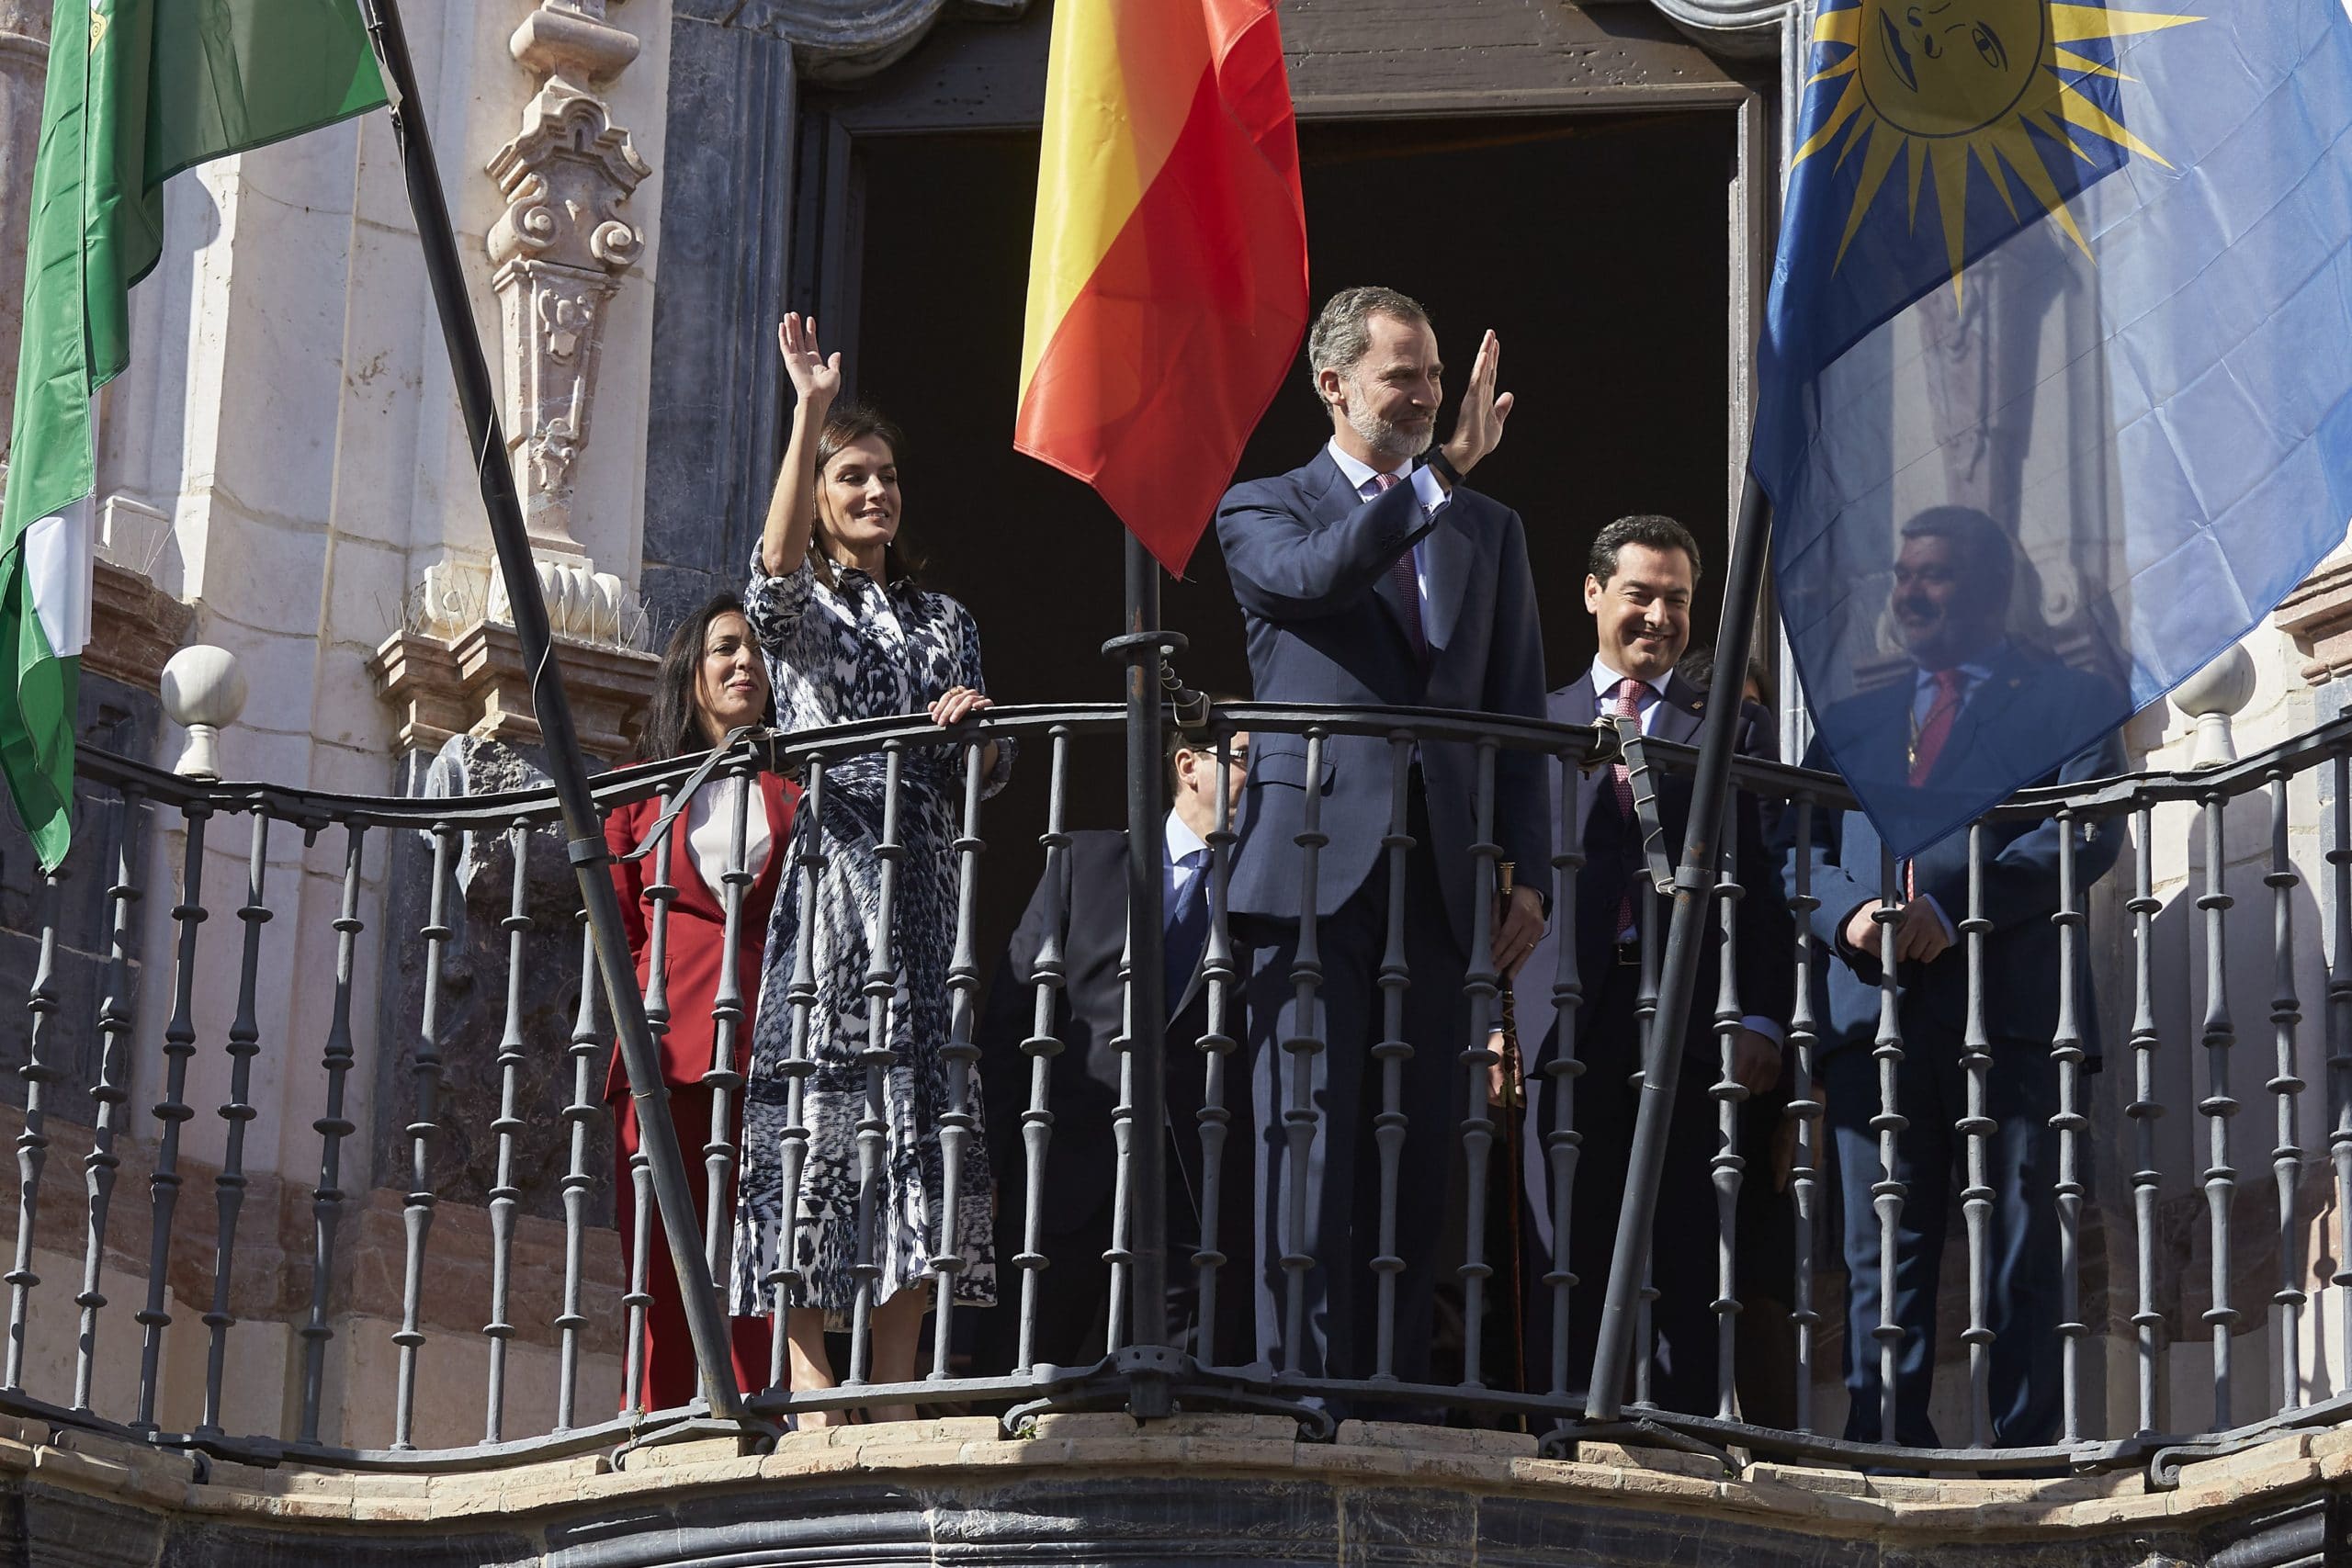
{"points": [[1168, 270], [138, 90], [2055, 389]]}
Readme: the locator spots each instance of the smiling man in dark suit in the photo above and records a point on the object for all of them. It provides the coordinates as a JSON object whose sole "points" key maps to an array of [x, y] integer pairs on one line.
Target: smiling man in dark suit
{"points": [[1375, 576], [1968, 692], [1641, 574]]}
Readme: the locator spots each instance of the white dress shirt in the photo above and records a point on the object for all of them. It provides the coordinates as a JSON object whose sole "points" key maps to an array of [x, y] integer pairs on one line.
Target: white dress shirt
{"points": [[1605, 682], [1175, 875], [710, 824], [1426, 490]]}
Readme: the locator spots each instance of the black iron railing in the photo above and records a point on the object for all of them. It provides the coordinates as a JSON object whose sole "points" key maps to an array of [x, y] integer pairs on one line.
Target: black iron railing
{"points": [[141, 1105]]}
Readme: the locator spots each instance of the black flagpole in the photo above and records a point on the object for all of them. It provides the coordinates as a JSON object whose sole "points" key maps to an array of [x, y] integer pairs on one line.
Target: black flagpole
{"points": [[1694, 882], [673, 1196]]}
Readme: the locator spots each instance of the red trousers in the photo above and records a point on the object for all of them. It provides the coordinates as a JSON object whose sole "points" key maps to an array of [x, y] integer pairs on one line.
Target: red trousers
{"points": [[669, 1378]]}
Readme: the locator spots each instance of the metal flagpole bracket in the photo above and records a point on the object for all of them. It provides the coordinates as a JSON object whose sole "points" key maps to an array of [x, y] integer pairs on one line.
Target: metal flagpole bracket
{"points": [[1642, 772]]}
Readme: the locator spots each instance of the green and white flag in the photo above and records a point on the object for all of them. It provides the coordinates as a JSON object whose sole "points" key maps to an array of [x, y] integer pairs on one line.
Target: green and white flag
{"points": [[138, 91]]}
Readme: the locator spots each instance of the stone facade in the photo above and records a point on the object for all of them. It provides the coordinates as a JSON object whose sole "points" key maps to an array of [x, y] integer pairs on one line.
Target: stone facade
{"points": [[1198, 1489]]}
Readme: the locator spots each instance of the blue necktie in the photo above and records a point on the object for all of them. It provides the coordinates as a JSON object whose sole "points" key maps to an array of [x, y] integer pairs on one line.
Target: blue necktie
{"points": [[1188, 928]]}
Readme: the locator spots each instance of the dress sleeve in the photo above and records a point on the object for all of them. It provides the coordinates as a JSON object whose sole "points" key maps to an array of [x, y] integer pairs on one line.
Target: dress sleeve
{"points": [[968, 674], [774, 604], [621, 829]]}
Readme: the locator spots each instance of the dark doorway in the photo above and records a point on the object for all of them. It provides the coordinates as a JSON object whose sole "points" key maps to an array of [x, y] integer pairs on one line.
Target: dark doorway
{"points": [[1597, 246]]}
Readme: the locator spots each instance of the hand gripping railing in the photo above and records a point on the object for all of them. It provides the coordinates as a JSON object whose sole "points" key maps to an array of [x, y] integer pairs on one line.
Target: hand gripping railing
{"points": [[455, 1254]]}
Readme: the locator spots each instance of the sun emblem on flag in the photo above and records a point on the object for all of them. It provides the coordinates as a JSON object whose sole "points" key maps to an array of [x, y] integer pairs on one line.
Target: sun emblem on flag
{"points": [[2012, 87]]}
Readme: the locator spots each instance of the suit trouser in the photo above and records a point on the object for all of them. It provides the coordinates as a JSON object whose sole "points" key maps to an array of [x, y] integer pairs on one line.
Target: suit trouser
{"points": [[2021, 1264], [1326, 1209], [1683, 1329]]}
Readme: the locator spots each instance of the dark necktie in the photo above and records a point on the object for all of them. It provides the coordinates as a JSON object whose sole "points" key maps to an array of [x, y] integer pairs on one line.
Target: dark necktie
{"points": [[1408, 582], [1188, 928]]}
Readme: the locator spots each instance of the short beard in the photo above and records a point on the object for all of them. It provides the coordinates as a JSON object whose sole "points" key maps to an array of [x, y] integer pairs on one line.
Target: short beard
{"points": [[1385, 437]]}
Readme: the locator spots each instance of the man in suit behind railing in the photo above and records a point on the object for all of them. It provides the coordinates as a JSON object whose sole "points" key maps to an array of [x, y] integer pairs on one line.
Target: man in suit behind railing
{"points": [[1967, 684], [1642, 573], [1084, 1093], [1366, 578]]}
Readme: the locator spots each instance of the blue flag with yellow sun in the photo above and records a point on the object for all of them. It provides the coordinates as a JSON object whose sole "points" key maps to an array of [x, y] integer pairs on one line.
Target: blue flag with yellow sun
{"points": [[2055, 395]]}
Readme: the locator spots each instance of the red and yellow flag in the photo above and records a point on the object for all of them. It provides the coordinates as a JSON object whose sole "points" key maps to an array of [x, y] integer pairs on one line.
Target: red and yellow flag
{"points": [[1168, 274]]}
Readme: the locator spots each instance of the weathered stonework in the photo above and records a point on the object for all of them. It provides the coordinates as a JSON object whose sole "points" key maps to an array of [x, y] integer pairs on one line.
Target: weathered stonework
{"points": [[2318, 616], [1193, 1489], [475, 682]]}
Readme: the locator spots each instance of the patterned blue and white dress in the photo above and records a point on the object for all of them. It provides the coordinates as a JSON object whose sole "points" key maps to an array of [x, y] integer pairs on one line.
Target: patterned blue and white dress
{"points": [[838, 653]]}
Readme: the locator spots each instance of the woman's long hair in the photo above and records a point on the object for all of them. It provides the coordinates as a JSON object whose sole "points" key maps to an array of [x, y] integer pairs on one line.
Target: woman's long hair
{"points": [[850, 422], [673, 726]]}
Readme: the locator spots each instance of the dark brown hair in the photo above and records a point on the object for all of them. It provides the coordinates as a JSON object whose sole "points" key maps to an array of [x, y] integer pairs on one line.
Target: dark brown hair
{"points": [[672, 727], [846, 424]]}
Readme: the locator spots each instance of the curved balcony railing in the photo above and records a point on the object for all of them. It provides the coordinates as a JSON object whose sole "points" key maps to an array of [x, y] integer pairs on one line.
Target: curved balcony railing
{"points": [[2157, 1284]]}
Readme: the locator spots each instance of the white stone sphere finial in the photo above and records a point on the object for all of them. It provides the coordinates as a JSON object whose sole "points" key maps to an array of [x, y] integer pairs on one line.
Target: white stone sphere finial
{"points": [[203, 690], [2213, 697]]}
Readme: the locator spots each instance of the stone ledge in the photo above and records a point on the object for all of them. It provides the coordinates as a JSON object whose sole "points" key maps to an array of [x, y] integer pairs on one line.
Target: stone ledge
{"points": [[1072, 1456]]}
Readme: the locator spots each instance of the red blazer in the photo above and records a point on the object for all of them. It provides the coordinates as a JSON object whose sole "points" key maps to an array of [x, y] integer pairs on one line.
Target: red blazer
{"points": [[696, 931]]}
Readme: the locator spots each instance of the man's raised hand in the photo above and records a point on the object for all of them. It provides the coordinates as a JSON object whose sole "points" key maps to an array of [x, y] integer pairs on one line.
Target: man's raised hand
{"points": [[1478, 428], [815, 378]]}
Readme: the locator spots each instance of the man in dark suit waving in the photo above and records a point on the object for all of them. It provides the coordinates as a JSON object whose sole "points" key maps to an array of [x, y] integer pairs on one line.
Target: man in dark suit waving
{"points": [[1967, 690], [1375, 576], [1641, 574], [1089, 912]]}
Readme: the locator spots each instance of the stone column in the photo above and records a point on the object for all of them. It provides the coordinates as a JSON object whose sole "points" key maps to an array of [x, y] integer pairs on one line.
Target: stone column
{"points": [[24, 65]]}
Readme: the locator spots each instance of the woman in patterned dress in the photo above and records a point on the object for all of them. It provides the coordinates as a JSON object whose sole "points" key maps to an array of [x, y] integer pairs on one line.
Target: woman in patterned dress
{"points": [[849, 636]]}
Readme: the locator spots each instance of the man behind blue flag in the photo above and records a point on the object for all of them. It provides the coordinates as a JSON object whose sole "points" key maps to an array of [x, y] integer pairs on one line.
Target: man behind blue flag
{"points": [[2082, 269]]}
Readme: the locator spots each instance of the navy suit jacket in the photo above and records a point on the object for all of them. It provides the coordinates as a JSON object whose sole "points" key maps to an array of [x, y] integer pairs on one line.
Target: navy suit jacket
{"points": [[2025, 692], [1764, 960], [1310, 561]]}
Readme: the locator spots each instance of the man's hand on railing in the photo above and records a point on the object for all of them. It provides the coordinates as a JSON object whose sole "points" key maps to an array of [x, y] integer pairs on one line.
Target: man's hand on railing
{"points": [[1519, 926], [1919, 934], [1755, 1060]]}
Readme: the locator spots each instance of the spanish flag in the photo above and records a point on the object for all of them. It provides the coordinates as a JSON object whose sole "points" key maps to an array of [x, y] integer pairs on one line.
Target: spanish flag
{"points": [[1168, 273]]}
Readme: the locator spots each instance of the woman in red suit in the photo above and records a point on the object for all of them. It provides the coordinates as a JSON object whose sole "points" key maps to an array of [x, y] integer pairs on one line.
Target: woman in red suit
{"points": [[712, 680]]}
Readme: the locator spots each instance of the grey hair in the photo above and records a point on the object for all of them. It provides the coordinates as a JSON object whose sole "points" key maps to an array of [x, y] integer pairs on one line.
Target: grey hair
{"points": [[1342, 335]]}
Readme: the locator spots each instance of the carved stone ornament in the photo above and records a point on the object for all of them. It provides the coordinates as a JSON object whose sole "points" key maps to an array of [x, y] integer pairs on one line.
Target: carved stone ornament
{"points": [[837, 42], [1749, 28], [560, 249], [2318, 616]]}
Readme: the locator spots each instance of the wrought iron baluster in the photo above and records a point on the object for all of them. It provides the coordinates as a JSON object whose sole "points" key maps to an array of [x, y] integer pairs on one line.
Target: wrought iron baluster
{"points": [[1889, 1191], [2339, 1048], [2286, 1087], [1393, 1051], [1041, 1046], [1804, 1039], [1299, 1116], [2145, 1108], [1727, 1167], [416, 1207], [504, 1196], [581, 1114], [2220, 1035], [662, 892], [98, 1168], [1976, 1129], [724, 1079], [164, 1184], [32, 1142], [1645, 1024], [1563, 1143], [1118, 1256], [1480, 986], [229, 1187], [2066, 1050], [961, 1056], [1219, 975], [332, 1126], [783, 1278], [882, 980]]}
